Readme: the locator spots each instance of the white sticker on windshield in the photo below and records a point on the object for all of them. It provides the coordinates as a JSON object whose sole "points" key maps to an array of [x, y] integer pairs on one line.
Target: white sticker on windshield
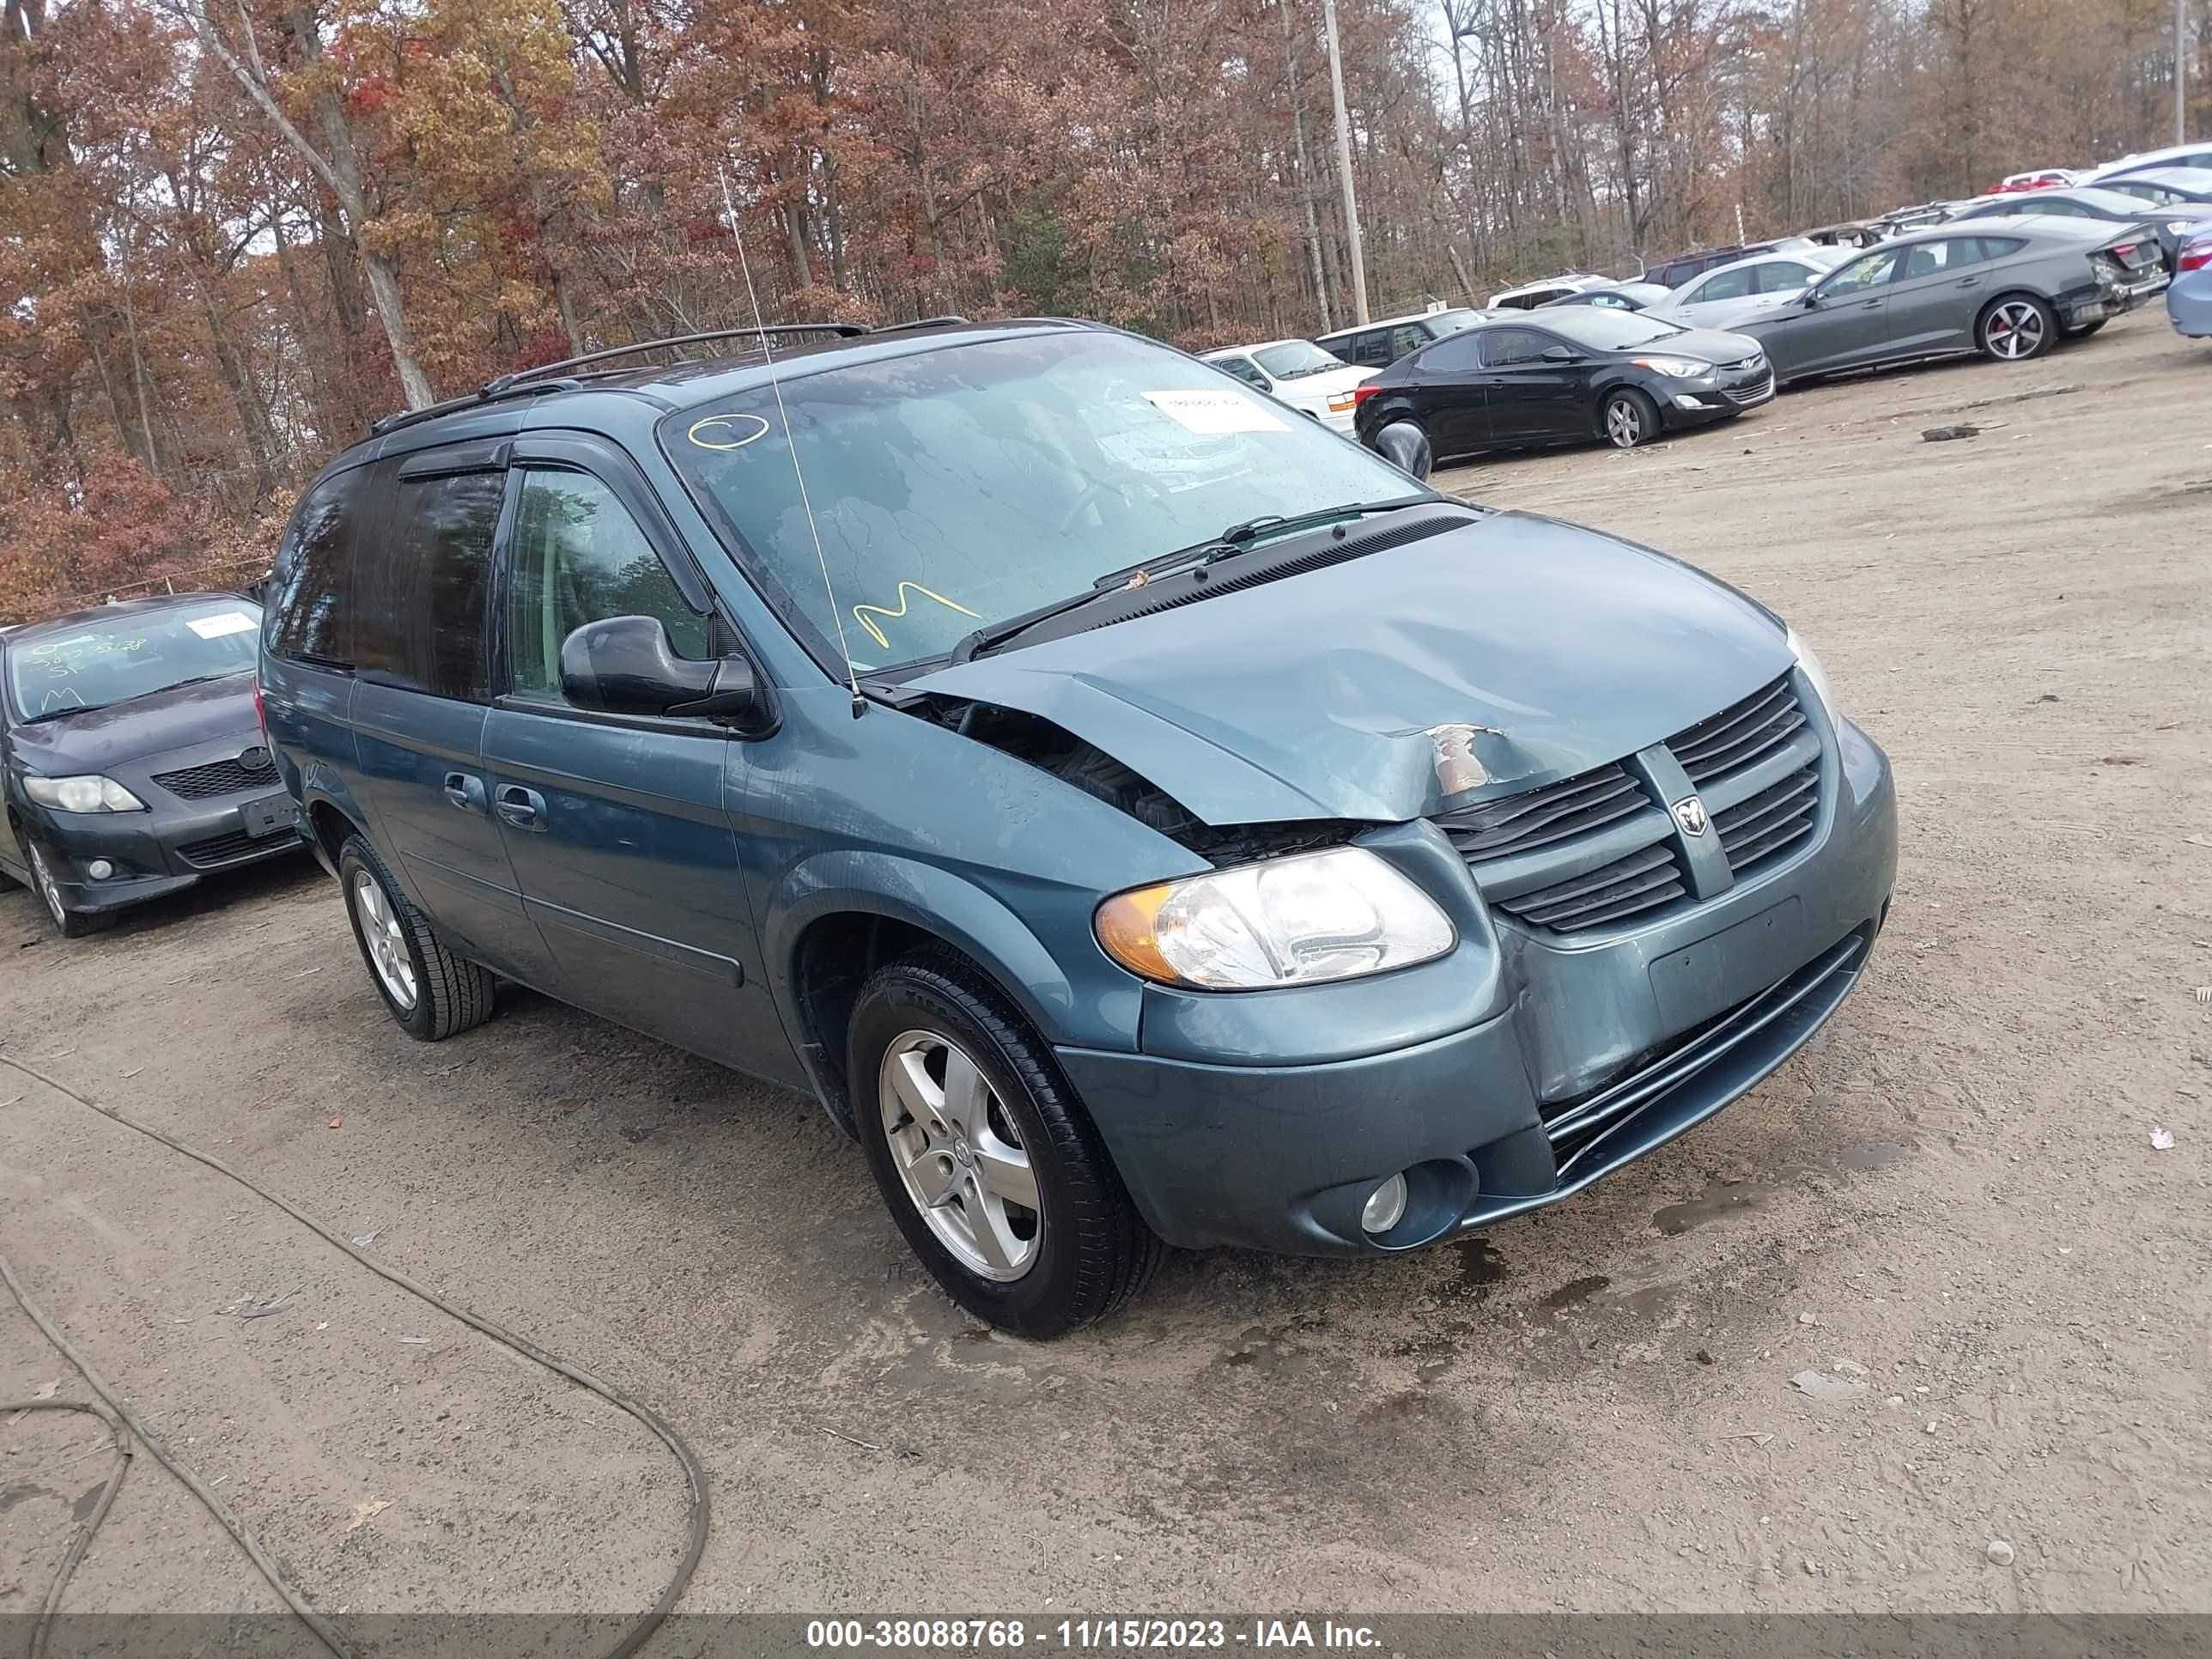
{"points": [[223, 622], [1215, 413]]}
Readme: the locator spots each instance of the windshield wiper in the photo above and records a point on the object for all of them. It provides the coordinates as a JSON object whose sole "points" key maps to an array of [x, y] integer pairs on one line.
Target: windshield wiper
{"points": [[64, 714], [1236, 538]]}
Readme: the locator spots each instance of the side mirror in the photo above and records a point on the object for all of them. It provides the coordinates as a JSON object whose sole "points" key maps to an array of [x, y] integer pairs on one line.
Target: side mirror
{"points": [[626, 665], [1559, 355], [1809, 299]]}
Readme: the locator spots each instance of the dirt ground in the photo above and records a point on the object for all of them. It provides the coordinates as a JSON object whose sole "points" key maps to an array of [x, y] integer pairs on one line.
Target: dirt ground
{"points": [[1955, 1189]]}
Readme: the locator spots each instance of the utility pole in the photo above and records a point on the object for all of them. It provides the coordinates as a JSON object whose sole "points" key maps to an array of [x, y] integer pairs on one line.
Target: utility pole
{"points": [[2180, 71], [1344, 161]]}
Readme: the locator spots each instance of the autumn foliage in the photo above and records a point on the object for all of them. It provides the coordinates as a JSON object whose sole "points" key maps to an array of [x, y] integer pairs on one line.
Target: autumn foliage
{"points": [[233, 233]]}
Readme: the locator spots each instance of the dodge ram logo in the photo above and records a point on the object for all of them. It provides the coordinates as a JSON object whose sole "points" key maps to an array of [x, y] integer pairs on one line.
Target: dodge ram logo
{"points": [[1690, 813]]}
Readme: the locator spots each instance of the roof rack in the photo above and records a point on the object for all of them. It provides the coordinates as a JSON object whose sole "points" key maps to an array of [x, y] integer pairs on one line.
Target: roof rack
{"points": [[528, 380]]}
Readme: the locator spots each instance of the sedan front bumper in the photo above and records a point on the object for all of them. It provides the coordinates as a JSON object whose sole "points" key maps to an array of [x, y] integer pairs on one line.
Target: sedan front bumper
{"points": [[1587, 1053]]}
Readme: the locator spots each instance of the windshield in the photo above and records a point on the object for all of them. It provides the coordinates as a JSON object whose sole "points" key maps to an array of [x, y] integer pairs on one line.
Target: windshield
{"points": [[1295, 358], [960, 486], [1608, 331], [139, 652], [1451, 322]]}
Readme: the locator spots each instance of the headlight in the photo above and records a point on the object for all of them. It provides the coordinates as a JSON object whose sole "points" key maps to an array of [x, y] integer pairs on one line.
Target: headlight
{"points": [[2175, 227], [1815, 672], [1682, 369], [89, 793], [1298, 920]]}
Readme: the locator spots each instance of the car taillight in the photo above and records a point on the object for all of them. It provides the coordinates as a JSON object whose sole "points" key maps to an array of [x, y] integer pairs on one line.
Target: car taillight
{"points": [[2196, 256], [1360, 394]]}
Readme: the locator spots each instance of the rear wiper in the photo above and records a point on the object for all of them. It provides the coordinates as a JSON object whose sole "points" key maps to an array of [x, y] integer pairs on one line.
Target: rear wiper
{"points": [[1236, 538]]}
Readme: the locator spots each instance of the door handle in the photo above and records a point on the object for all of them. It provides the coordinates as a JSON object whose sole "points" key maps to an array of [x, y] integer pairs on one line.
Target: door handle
{"points": [[1868, 305], [466, 791], [523, 808], [1969, 281]]}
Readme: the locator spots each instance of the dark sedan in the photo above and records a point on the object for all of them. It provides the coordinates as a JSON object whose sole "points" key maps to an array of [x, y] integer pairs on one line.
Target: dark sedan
{"points": [[2091, 203], [2183, 187], [1565, 377], [134, 757]]}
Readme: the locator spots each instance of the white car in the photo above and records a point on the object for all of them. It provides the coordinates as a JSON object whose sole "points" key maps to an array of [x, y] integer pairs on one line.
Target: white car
{"points": [[1300, 374], [1530, 295], [1724, 288], [2195, 154]]}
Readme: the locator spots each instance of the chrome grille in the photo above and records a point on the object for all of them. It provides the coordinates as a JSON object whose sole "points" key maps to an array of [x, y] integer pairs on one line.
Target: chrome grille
{"points": [[1573, 806], [1739, 736], [1642, 881], [222, 777], [1762, 825]]}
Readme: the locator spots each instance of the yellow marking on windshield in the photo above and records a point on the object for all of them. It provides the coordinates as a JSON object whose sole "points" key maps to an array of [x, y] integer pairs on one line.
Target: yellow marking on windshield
{"points": [[877, 634]]}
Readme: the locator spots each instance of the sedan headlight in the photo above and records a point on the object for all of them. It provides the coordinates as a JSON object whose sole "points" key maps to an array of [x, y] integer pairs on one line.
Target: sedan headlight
{"points": [[1816, 674], [1682, 369], [2175, 227], [88, 794], [1303, 920]]}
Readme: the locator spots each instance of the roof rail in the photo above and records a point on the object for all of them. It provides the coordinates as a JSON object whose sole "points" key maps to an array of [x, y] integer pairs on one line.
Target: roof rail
{"points": [[527, 381], [406, 417], [503, 383]]}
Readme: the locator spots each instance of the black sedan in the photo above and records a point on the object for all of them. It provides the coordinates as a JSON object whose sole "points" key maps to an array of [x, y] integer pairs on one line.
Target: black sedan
{"points": [[1566, 377], [2170, 223], [133, 754]]}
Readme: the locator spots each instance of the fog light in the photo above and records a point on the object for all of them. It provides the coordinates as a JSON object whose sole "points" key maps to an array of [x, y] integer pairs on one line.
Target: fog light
{"points": [[1386, 1206], [100, 869], [1684, 400]]}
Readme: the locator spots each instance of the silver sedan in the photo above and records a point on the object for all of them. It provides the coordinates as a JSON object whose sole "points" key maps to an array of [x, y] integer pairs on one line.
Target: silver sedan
{"points": [[2007, 288]]}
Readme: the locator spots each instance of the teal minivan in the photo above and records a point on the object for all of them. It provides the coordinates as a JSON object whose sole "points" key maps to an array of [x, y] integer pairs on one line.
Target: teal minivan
{"points": [[1137, 815]]}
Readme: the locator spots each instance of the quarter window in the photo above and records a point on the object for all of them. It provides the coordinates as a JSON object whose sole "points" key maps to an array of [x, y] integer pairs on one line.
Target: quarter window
{"points": [[311, 588], [576, 556], [420, 607]]}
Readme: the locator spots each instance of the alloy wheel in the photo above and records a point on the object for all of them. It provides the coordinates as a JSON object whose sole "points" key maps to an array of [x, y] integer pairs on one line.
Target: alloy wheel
{"points": [[1623, 423], [959, 1156], [387, 945], [49, 889], [2015, 329]]}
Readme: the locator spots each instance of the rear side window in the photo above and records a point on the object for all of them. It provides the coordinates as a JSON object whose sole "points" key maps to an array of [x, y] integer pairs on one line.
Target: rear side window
{"points": [[1999, 248], [310, 591], [576, 556], [420, 599]]}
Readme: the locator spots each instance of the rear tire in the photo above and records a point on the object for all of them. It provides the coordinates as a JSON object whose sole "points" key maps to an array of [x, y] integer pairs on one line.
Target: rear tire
{"points": [[2017, 328], [70, 924], [991, 1168], [430, 991], [1627, 418]]}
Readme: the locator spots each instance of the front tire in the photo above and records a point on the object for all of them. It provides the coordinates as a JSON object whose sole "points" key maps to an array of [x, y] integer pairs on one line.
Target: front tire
{"points": [[1628, 418], [2017, 328], [70, 924], [990, 1166], [432, 992]]}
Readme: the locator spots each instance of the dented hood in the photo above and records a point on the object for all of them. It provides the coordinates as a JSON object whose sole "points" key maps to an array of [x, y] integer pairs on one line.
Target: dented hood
{"points": [[1314, 697]]}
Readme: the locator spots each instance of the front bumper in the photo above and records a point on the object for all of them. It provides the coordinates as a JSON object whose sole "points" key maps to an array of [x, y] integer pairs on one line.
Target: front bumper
{"points": [[163, 850], [1585, 1054]]}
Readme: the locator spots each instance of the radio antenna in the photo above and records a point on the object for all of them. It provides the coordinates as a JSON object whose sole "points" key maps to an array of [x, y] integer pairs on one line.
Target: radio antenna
{"points": [[805, 503]]}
